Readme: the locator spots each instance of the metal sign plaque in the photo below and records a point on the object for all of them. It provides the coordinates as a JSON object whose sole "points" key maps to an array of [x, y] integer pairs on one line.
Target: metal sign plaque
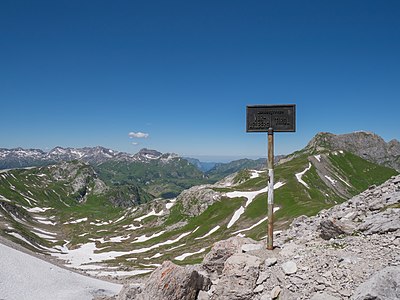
{"points": [[281, 118]]}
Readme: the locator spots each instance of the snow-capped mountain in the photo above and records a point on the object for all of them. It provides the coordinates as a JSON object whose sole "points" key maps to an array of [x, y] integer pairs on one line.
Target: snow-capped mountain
{"points": [[20, 158]]}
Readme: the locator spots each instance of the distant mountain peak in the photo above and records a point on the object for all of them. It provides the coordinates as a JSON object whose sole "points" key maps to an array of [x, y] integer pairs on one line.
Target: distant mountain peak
{"points": [[149, 154], [365, 144]]}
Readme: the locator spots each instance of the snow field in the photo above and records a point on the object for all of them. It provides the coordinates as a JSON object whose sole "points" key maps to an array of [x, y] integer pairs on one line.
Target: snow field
{"points": [[46, 281]]}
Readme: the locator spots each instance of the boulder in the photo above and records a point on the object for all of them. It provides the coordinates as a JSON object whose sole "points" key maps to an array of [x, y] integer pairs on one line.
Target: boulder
{"points": [[238, 278], [383, 222], [129, 291], [172, 282], [275, 292], [251, 247], [214, 261], [289, 267], [332, 228], [384, 285], [269, 262]]}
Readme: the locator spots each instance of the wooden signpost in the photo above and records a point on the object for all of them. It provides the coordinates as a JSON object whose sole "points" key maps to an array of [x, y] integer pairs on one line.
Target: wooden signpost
{"points": [[270, 119]]}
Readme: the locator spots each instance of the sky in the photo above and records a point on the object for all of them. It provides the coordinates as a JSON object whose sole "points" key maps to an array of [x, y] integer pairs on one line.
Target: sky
{"points": [[176, 76]]}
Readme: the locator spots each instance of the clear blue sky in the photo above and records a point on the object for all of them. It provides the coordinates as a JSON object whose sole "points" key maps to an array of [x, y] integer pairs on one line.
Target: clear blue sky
{"points": [[87, 73]]}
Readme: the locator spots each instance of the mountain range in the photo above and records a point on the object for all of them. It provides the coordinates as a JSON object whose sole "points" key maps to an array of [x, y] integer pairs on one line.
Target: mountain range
{"points": [[20, 158], [123, 217]]}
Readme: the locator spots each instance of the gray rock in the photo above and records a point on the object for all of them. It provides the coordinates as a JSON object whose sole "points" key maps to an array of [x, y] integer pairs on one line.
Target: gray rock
{"points": [[332, 229], [345, 293], [238, 278], [323, 296], [203, 295], [258, 289], [289, 267], [275, 292], [214, 260], [190, 199], [173, 282], [129, 292], [382, 222], [384, 285], [269, 262], [265, 297], [262, 277], [251, 247]]}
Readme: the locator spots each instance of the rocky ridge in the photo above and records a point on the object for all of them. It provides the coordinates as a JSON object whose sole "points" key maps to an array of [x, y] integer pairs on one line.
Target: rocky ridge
{"points": [[336, 254], [367, 145]]}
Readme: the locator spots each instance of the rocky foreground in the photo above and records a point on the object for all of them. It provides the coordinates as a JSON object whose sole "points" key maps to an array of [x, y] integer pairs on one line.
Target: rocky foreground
{"points": [[351, 251]]}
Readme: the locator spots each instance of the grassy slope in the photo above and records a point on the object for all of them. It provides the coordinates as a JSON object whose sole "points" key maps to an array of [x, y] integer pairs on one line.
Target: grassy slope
{"points": [[293, 198], [156, 177]]}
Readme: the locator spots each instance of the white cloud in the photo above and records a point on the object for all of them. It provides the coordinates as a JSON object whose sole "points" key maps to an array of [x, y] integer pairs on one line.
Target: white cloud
{"points": [[134, 143], [138, 135]]}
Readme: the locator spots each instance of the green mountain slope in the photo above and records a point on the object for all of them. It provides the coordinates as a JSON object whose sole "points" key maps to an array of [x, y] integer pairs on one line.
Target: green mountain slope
{"points": [[65, 211], [222, 170], [160, 178]]}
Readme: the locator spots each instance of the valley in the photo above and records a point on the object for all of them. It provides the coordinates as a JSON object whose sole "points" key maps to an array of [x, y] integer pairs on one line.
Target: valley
{"points": [[118, 218]]}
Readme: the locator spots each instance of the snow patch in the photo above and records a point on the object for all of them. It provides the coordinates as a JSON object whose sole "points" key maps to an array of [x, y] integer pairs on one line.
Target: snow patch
{"points": [[100, 223], [250, 197], [45, 236], [256, 224], [170, 203], [345, 182], [152, 213], [157, 255], [76, 221], [183, 256], [144, 238], [176, 247], [87, 253], [236, 216], [209, 233], [37, 209], [255, 174], [20, 237], [132, 227], [333, 181], [300, 175], [45, 221]]}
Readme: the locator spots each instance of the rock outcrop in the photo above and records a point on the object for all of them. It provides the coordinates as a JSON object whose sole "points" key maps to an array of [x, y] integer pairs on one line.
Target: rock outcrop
{"points": [[384, 285], [367, 145], [238, 278], [190, 199], [169, 281], [351, 251]]}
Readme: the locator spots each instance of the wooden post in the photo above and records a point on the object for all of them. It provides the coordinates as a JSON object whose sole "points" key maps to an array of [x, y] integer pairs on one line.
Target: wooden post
{"points": [[270, 241]]}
